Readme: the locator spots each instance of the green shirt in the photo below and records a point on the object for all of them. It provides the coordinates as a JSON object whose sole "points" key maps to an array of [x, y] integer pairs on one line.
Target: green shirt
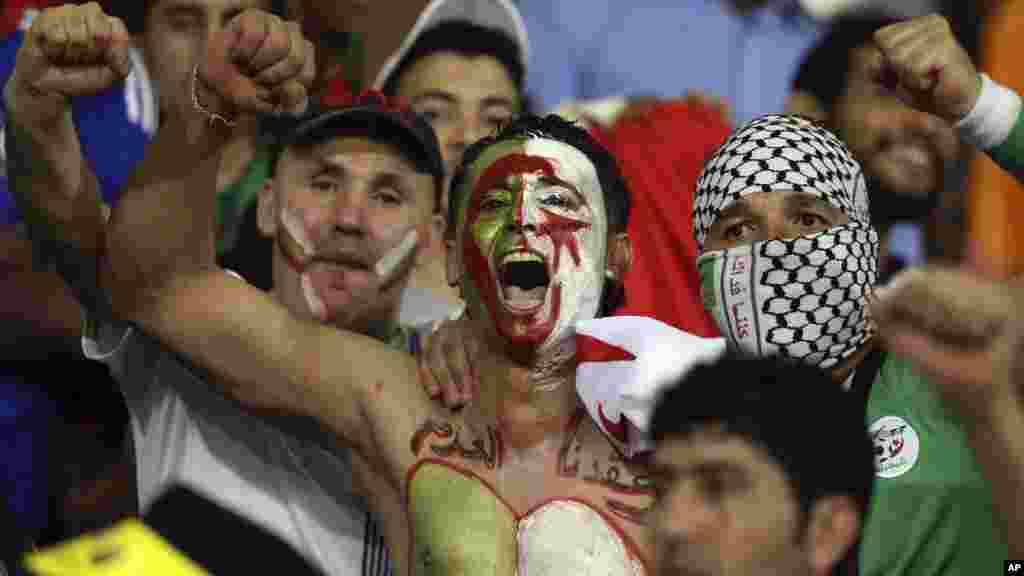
{"points": [[931, 512]]}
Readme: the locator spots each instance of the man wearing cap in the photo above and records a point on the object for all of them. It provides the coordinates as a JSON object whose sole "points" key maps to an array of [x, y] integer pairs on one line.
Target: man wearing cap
{"points": [[275, 490]]}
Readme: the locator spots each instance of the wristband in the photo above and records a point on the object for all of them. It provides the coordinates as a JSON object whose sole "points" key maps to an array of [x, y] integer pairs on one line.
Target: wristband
{"points": [[989, 123]]}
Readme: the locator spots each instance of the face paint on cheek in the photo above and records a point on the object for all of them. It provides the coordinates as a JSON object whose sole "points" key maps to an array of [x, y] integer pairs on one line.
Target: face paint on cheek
{"points": [[477, 232], [562, 232], [389, 263], [294, 241], [313, 300]]}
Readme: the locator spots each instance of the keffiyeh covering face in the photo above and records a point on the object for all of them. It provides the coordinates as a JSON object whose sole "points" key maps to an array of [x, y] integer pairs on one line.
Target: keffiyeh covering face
{"points": [[804, 297]]}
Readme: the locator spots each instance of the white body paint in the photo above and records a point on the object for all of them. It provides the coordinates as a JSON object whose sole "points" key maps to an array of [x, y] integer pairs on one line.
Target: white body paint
{"points": [[567, 537], [581, 285]]}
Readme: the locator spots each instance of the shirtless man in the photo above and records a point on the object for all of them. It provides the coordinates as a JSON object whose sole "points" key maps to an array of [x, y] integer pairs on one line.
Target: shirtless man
{"points": [[519, 482]]}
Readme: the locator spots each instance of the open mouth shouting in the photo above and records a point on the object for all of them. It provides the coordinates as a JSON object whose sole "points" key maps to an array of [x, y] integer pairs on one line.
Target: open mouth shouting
{"points": [[524, 280]]}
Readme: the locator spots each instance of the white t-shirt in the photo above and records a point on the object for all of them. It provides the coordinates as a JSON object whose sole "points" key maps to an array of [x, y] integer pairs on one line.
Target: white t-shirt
{"points": [[186, 433]]}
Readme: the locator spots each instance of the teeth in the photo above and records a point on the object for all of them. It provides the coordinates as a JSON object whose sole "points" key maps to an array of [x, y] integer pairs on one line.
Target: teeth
{"points": [[522, 257]]}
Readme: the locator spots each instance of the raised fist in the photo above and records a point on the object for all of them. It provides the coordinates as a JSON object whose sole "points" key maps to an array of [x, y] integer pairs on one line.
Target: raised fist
{"points": [[923, 58], [71, 51], [258, 63]]}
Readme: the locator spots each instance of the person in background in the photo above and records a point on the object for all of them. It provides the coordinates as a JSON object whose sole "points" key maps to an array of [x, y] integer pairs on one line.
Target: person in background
{"points": [[462, 68], [742, 488], [905, 152], [963, 327]]}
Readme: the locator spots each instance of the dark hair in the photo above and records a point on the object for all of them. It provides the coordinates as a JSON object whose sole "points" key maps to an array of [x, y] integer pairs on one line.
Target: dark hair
{"points": [[467, 39], [826, 66], [795, 413], [133, 12], [616, 193]]}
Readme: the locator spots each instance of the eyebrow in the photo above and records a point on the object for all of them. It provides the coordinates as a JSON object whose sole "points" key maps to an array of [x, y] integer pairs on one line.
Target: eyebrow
{"points": [[555, 181], [735, 210], [434, 95], [798, 201], [497, 101]]}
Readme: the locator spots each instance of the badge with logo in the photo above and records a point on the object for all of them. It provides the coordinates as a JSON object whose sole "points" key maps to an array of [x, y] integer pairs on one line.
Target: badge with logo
{"points": [[897, 446]]}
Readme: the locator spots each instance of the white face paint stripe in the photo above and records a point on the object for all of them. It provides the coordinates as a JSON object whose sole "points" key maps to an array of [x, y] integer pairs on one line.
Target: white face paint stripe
{"points": [[390, 262], [296, 231], [316, 305], [581, 286]]}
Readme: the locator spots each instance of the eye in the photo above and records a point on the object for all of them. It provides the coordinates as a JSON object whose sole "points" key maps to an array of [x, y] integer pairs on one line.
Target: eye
{"points": [[389, 196], [496, 120], [738, 231], [712, 486], [432, 113], [323, 185], [812, 220], [496, 201]]}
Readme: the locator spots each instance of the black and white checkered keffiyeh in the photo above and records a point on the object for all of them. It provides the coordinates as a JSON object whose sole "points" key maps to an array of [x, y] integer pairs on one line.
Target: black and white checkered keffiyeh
{"points": [[775, 153]]}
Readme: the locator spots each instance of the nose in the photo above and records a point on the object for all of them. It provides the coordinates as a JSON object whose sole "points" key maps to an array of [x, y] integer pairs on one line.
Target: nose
{"points": [[467, 130], [348, 213]]}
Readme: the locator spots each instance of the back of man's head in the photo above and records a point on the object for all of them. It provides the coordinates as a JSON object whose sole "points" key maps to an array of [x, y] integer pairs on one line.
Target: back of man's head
{"points": [[794, 413]]}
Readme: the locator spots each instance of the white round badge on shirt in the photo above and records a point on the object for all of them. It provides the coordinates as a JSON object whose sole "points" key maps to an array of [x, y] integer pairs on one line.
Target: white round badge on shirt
{"points": [[897, 446]]}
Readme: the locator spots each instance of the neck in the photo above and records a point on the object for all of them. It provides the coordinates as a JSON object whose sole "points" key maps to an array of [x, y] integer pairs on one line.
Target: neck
{"points": [[532, 400]]}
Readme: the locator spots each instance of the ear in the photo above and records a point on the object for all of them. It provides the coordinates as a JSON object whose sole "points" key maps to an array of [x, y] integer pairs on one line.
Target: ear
{"points": [[832, 530], [266, 212], [620, 255], [806, 104]]}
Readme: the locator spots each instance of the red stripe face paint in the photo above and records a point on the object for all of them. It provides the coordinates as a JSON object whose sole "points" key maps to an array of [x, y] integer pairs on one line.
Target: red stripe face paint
{"points": [[534, 200]]}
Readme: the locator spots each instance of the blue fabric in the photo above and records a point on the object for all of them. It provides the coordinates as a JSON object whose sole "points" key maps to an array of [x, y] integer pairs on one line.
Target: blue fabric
{"points": [[26, 418], [588, 49], [110, 128]]}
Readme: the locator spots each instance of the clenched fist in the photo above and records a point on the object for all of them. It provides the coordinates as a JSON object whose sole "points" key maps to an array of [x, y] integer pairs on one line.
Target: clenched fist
{"points": [[964, 331], [258, 63], [70, 51], [923, 57]]}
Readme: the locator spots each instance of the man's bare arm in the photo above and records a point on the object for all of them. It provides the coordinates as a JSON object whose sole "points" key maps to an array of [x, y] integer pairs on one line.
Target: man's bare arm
{"points": [[270, 359], [69, 51]]}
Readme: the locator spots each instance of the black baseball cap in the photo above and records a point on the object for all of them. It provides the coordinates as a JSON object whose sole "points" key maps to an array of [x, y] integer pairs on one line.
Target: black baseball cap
{"points": [[369, 113]]}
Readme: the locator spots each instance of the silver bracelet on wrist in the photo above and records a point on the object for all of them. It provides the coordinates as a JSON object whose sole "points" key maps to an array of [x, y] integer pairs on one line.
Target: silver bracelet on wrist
{"points": [[211, 116]]}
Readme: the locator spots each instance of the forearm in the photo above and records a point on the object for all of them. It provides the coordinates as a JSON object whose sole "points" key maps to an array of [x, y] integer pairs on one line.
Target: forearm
{"points": [[998, 443], [164, 224], [265, 357], [55, 190]]}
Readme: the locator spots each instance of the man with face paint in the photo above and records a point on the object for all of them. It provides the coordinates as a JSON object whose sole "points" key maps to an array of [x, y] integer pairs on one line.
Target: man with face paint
{"points": [[789, 258], [269, 485], [518, 482]]}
